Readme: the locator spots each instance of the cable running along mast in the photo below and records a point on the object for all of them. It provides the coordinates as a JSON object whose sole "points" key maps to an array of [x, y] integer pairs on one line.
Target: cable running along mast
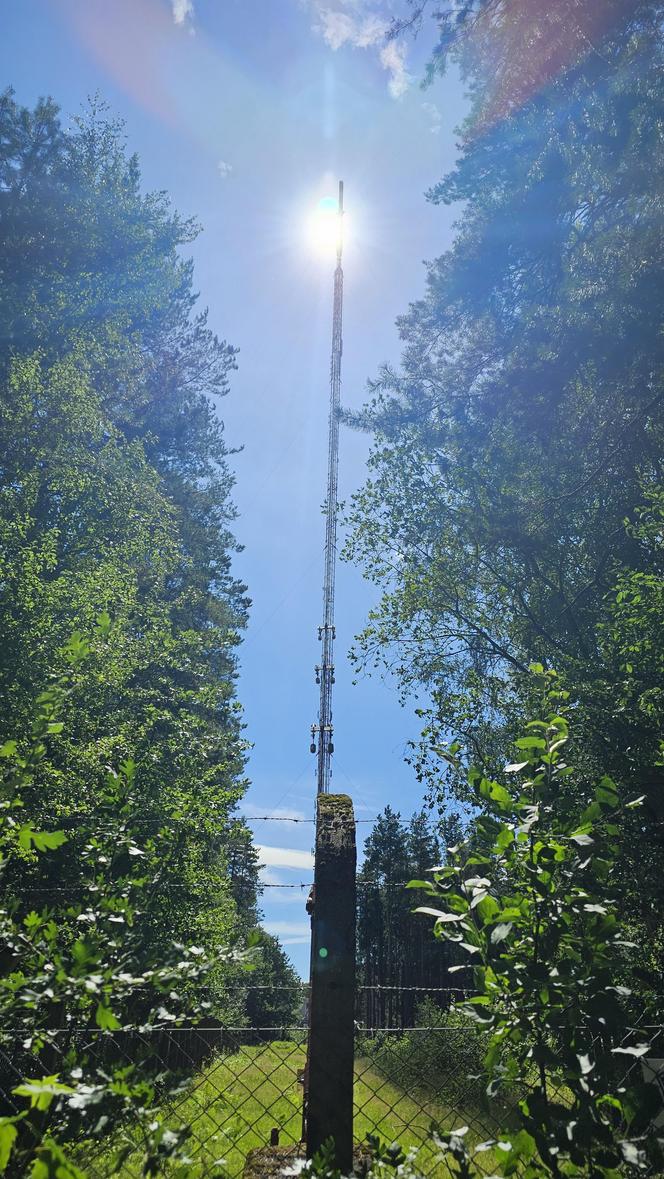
{"points": [[322, 733]]}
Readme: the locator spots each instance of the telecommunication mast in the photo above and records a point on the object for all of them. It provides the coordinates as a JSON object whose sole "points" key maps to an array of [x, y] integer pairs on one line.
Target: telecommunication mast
{"points": [[322, 743]]}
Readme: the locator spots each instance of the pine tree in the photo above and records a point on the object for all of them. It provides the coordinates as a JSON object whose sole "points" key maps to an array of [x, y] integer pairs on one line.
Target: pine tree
{"points": [[394, 949]]}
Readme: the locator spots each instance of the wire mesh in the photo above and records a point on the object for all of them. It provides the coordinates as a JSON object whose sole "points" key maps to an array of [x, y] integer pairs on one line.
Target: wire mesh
{"points": [[222, 1089], [226, 1090], [412, 1079]]}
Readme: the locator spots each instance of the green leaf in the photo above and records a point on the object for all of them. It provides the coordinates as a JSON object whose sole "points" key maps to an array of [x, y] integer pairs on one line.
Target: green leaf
{"points": [[42, 840], [613, 1102], [582, 838], [488, 910], [446, 755], [500, 931], [607, 793], [496, 793], [636, 1050], [8, 1133], [104, 622], [42, 1092], [439, 914], [504, 838], [105, 1018], [591, 814], [8, 749], [530, 743], [53, 1163]]}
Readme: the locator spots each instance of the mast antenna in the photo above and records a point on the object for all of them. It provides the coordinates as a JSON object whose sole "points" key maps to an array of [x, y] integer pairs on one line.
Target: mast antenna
{"points": [[322, 733]]}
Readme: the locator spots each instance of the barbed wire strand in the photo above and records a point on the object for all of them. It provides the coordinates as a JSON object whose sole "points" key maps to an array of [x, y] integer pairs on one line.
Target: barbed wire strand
{"points": [[92, 887]]}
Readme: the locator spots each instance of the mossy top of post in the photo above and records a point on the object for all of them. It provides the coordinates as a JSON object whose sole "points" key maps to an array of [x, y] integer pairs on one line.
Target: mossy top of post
{"points": [[336, 823]]}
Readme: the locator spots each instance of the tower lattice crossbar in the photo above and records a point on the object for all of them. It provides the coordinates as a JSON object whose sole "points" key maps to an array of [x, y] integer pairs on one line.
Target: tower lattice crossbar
{"points": [[322, 733]]}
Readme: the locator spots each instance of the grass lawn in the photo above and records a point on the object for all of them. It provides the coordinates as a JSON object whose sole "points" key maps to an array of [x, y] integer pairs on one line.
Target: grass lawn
{"points": [[237, 1100]]}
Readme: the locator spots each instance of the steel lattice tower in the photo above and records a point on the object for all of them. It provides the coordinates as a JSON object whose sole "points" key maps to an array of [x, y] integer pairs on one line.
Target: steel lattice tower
{"points": [[324, 746]]}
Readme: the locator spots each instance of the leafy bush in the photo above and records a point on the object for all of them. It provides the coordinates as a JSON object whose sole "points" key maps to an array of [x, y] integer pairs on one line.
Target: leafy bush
{"points": [[444, 1058], [74, 976], [531, 899]]}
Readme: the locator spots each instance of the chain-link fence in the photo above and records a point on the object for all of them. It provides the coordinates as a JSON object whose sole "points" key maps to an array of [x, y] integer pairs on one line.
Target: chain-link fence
{"points": [[217, 1092], [212, 1094], [222, 1092], [411, 1079]]}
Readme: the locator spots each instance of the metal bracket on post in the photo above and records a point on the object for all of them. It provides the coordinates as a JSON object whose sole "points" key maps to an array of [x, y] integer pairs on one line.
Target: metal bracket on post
{"points": [[329, 1083]]}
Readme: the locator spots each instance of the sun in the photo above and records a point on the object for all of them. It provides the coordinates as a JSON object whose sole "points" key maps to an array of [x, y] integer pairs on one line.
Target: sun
{"points": [[324, 227]]}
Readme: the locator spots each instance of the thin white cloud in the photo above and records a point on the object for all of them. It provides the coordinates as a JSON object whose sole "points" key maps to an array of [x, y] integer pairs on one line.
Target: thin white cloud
{"points": [[340, 28], [290, 933], [284, 857], [435, 117], [354, 23], [299, 929], [296, 895], [254, 810], [370, 31], [337, 27], [393, 59], [224, 169], [183, 10]]}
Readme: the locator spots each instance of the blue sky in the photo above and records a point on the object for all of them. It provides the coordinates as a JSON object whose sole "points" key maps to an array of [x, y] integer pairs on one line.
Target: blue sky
{"points": [[247, 112]]}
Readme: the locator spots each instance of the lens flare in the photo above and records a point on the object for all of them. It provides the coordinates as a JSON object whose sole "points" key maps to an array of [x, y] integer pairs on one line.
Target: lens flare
{"points": [[324, 227]]}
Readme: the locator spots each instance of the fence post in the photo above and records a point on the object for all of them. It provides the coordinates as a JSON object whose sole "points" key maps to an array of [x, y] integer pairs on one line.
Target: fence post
{"points": [[329, 1098]]}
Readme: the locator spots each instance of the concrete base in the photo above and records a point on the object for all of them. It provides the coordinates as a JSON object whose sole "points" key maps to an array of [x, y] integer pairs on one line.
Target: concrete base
{"points": [[267, 1162]]}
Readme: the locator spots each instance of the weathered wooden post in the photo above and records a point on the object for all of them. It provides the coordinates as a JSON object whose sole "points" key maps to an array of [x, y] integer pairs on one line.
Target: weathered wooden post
{"points": [[329, 1098]]}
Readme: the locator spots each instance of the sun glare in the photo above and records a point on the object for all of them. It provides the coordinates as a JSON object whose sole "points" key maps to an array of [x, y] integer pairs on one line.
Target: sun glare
{"points": [[324, 227]]}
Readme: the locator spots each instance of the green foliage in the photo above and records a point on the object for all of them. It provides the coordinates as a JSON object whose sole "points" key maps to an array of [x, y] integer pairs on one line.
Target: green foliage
{"points": [[392, 950], [382, 1160], [126, 872], [513, 507], [78, 967], [114, 522], [529, 900], [277, 994], [444, 1061]]}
